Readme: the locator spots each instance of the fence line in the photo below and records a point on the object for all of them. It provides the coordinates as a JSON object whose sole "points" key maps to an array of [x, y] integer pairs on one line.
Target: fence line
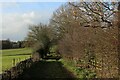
{"points": [[15, 71]]}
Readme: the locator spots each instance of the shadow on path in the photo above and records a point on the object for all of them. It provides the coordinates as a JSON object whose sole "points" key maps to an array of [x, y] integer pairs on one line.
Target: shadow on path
{"points": [[46, 69]]}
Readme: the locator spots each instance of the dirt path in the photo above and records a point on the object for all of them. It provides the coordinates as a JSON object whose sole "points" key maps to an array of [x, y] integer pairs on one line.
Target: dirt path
{"points": [[46, 69]]}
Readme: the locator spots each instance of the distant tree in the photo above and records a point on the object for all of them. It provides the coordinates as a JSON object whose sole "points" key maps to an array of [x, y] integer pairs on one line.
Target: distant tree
{"points": [[21, 44], [6, 44]]}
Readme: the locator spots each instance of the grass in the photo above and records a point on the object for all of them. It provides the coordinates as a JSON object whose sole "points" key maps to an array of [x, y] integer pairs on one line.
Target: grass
{"points": [[9, 55], [78, 72], [49, 68]]}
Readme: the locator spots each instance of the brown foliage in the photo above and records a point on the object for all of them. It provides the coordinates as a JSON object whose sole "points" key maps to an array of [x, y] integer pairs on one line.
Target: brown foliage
{"points": [[89, 36]]}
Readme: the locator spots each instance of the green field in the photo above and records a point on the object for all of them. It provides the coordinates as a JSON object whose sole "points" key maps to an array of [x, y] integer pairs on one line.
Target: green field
{"points": [[12, 56]]}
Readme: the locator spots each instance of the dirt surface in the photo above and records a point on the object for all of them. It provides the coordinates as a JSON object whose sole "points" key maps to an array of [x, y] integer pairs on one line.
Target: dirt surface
{"points": [[46, 69]]}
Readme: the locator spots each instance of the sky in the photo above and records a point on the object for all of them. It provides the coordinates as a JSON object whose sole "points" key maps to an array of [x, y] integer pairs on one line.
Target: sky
{"points": [[17, 16]]}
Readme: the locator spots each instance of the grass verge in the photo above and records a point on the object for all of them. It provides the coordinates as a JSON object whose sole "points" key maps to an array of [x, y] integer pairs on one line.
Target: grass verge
{"points": [[77, 71]]}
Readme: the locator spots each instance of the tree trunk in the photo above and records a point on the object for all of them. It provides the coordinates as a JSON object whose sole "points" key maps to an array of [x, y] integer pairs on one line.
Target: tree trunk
{"points": [[118, 37]]}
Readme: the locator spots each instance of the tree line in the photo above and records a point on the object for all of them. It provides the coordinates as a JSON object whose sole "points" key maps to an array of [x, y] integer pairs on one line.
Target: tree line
{"points": [[7, 44], [85, 33]]}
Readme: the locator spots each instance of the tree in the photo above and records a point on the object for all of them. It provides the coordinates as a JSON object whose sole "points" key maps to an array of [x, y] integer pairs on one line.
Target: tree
{"points": [[42, 38], [6, 44], [87, 32]]}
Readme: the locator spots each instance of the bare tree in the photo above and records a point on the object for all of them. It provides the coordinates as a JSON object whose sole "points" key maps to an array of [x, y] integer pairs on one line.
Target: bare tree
{"points": [[42, 37], [88, 35]]}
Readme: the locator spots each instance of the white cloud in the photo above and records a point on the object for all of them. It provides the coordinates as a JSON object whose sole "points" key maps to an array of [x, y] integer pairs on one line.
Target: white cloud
{"points": [[27, 15], [15, 25], [29, 18]]}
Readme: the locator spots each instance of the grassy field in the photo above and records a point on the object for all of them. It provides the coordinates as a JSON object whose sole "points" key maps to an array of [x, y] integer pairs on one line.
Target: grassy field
{"points": [[12, 56]]}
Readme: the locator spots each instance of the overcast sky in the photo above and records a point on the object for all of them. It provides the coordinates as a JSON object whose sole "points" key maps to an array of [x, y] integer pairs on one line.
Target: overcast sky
{"points": [[16, 16]]}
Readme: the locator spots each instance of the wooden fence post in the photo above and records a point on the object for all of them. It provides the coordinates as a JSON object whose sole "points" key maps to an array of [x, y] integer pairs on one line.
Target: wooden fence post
{"points": [[13, 62]]}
